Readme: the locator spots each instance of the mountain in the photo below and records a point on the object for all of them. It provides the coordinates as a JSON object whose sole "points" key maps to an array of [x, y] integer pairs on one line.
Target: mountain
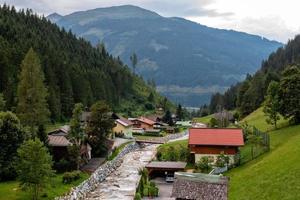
{"points": [[75, 71], [187, 60], [54, 17], [249, 94]]}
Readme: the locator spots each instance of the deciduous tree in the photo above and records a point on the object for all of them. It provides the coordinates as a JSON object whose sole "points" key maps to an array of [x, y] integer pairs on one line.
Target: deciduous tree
{"points": [[11, 137], [34, 166], [99, 127], [76, 134], [289, 94], [271, 105]]}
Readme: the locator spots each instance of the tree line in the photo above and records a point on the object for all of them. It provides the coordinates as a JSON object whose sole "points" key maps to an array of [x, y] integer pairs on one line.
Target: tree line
{"points": [[248, 95], [74, 70]]}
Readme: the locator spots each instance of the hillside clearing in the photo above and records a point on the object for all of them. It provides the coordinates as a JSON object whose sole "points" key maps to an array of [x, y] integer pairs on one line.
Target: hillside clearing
{"points": [[274, 175]]}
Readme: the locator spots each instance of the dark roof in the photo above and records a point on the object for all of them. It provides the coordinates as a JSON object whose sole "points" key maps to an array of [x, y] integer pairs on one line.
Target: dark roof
{"points": [[200, 186], [218, 137], [166, 165]]}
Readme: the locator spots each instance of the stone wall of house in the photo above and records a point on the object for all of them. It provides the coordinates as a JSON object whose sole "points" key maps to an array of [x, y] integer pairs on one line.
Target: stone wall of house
{"points": [[98, 176]]}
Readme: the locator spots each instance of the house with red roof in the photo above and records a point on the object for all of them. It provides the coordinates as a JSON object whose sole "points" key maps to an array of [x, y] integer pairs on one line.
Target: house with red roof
{"points": [[143, 123], [212, 142]]}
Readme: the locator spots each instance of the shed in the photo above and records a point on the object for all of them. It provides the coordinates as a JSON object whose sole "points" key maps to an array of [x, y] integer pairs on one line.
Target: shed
{"points": [[160, 168]]}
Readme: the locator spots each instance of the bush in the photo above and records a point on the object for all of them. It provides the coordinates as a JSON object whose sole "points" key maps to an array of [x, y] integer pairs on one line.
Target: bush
{"points": [[204, 164], [137, 196], [62, 166], [69, 177]]}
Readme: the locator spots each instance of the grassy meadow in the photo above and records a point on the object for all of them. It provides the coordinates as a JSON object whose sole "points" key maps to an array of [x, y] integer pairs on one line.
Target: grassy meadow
{"points": [[274, 175]]}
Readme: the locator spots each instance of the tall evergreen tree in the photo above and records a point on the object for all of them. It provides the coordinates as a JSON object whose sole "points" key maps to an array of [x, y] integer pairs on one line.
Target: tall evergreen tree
{"points": [[2, 102], [134, 61], [167, 118], [179, 112], [32, 103], [271, 105]]}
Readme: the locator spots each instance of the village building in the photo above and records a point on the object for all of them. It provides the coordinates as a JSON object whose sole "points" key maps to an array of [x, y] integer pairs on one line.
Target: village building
{"points": [[212, 142], [200, 186], [123, 128], [142, 122], [163, 168], [58, 142]]}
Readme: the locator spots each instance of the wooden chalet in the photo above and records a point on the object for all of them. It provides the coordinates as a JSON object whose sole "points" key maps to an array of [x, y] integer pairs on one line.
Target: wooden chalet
{"points": [[212, 142]]}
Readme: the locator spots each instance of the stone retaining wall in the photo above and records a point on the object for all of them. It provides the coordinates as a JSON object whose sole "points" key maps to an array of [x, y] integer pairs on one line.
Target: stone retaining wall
{"points": [[175, 136], [99, 175]]}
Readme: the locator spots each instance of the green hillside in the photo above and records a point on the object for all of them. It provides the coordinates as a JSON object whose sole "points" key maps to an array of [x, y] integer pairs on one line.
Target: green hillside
{"points": [[258, 119], [74, 70], [276, 174]]}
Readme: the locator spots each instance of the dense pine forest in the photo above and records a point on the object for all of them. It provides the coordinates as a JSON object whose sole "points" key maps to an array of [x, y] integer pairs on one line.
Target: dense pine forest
{"points": [[250, 94], [75, 71]]}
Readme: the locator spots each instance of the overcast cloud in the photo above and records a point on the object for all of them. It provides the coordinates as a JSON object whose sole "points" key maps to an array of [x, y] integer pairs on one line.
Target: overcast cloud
{"points": [[274, 19]]}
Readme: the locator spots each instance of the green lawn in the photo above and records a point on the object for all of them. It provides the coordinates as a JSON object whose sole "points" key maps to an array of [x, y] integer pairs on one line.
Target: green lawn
{"points": [[274, 175], [178, 147], [11, 191], [258, 119], [204, 120]]}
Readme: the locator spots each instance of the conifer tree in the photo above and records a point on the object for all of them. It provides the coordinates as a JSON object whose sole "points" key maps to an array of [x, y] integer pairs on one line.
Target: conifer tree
{"points": [[32, 106], [2, 102]]}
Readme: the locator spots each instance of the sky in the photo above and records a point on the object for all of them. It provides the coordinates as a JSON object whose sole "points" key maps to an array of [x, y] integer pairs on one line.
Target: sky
{"points": [[273, 19]]}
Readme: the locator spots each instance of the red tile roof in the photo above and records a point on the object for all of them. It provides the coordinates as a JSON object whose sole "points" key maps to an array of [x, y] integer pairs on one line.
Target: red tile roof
{"points": [[146, 121], [218, 137]]}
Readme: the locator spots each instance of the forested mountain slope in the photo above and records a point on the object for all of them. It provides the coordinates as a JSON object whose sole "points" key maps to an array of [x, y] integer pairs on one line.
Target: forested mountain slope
{"points": [[249, 94], [74, 70], [188, 61]]}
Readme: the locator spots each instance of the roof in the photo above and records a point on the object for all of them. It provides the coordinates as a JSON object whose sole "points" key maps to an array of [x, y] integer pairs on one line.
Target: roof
{"points": [[166, 165], [200, 177], [124, 122], [146, 121], [58, 141], [200, 186], [218, 137], [155, 118], [64, 130]]}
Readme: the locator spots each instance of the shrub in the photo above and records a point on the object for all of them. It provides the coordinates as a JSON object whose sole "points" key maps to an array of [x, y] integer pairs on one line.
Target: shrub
{"points": [[62, 166], [137, 196], [69, 177], [204, 164]]}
